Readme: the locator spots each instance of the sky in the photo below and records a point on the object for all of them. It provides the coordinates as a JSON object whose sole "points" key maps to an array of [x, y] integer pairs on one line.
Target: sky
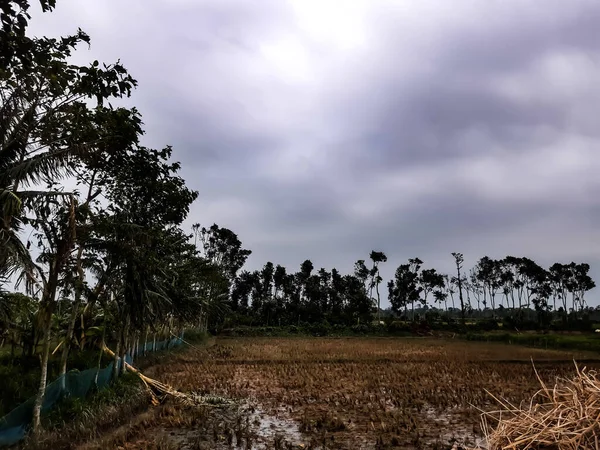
{"points": [[323, 129]]}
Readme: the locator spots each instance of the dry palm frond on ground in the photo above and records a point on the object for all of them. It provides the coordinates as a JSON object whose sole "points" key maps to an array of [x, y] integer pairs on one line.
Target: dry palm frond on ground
{"points": [[566, 417], [156, 388]]}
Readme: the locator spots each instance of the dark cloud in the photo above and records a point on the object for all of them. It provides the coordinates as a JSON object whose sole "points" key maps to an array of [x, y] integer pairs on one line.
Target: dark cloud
{"points": [[416, 128]]}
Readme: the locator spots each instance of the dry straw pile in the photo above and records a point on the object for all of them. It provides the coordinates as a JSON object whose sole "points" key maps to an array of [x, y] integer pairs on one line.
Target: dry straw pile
{"points": [[565, 417]]}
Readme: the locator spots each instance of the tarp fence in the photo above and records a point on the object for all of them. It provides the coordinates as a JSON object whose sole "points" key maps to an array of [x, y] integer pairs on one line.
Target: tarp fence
{"points": [[15, 425]]}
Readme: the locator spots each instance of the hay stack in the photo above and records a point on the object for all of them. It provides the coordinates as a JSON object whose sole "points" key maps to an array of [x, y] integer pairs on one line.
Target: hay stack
{"points": [[566, 417]]}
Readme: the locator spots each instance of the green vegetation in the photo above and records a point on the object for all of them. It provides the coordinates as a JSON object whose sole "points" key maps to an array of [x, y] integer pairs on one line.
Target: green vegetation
{"points": [[106, 263], [71, 410], [77, 420], [19, 376]]}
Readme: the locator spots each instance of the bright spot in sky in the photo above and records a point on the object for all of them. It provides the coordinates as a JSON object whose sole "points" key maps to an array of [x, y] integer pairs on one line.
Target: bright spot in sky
{"points": [[334, 27], [339, 23], [289, 58]]}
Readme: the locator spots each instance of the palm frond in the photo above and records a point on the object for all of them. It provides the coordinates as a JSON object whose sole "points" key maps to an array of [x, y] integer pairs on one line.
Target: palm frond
{"points": [[52, 165]]}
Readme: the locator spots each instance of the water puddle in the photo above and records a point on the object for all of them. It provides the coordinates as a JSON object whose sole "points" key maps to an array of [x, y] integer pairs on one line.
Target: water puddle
{"points": [[274, 430], [248, 427], [453, 430]]}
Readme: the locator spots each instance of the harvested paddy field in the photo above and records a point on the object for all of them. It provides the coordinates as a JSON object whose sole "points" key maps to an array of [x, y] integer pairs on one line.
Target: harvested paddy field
{"points": [[347, 393]]}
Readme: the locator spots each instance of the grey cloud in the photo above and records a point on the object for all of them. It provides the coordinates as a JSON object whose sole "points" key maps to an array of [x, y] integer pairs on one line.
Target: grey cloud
{"points": [[465, 126]]}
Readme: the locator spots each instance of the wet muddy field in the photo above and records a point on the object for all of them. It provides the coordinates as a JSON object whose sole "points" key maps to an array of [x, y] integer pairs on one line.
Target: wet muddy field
{"points": [[325, 393]]}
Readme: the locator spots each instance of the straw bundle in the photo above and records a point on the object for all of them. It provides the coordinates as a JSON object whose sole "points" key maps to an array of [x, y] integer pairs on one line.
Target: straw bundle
{"points": [[566, 417], [157, 390]]}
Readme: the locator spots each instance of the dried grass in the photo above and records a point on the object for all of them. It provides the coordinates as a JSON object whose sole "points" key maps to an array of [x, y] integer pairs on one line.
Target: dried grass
{"points": [[566, 417], [158, 390]]}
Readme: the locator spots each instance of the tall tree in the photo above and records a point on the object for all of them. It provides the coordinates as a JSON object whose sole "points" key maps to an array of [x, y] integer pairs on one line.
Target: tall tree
{"points": [[377, 258], [405, 289], [459, 260], [358, 306], [430, 281], [266, 282], [336, 296], [361, 271], [223, 248]]}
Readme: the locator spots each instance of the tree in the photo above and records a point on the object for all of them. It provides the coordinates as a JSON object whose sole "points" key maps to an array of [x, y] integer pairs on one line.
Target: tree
{"points": [[45, 120], [336, 296], [266, 285], [582, 283], [377, 258], [430, 281], [459, 259], [302, 279], [476, 288], [489, 274], [279, 280], [541, 290], [441, 296], [358, 305], [405, 289], [323, 291], [560, 277], [223, 247], [361, 272], [240, 294]]}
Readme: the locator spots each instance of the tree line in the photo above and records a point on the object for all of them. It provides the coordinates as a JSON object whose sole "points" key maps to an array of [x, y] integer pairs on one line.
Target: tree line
{"points": [[274, 296]]}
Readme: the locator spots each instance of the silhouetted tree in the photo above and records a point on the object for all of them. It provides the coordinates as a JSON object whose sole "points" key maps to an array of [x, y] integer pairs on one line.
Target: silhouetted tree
{"points": [[377, 258], [459, 259]]}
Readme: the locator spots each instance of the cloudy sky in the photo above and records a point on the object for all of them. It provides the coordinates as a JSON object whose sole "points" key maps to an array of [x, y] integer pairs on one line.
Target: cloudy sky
{"points": [[325, 129]]}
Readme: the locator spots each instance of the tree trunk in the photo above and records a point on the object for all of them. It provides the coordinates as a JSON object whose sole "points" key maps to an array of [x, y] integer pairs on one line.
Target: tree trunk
{"points": [[116, 361], [47, 305], [78, 291], [460, 296], [68, 338], [124, 353], [133, 351], [378, 302], [37, 407], [102, 344], [12, 346], [146, 342]]}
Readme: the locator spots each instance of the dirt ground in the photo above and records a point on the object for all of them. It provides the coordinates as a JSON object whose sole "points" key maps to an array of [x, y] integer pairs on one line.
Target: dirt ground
{"points": [[347, 393]]}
